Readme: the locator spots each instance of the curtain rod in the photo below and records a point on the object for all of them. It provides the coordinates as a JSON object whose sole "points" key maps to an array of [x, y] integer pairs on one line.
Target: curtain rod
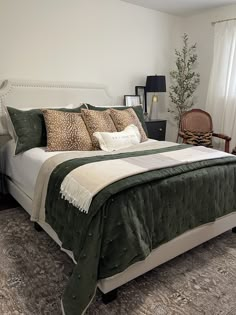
{"points": [[220, 21]]}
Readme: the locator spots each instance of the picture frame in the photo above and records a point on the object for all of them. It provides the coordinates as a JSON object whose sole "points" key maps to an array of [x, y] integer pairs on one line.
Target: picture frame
{"points": [[132, 100], [140, 90]]}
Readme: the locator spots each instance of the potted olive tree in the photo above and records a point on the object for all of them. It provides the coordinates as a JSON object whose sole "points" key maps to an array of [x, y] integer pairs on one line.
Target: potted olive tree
{"points": [[184, 80]]}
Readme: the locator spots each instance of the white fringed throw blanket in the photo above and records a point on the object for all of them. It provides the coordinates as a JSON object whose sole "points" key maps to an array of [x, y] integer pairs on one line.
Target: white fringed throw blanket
{"points": [[83, 183], [40, 192]]}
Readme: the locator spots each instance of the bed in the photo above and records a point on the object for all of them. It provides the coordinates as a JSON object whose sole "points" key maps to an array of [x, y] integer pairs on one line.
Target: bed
{"points": [[24, 94]]}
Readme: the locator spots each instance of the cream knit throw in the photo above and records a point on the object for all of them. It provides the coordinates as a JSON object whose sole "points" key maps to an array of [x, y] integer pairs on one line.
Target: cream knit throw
{"points": [[83, 183]]}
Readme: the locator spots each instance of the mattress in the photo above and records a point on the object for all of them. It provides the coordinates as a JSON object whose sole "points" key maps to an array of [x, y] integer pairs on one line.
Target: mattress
{"points": [[23, 168]]}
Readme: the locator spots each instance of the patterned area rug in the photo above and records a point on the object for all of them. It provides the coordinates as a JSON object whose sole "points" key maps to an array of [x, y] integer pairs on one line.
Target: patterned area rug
{"points": [[34, 272]]}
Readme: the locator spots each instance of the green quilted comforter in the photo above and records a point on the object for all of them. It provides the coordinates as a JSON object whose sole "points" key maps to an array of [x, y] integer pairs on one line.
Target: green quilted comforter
{"points": [[129, 218]]}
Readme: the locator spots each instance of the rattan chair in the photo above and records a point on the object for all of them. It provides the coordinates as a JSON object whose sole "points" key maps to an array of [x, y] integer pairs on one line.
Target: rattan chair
{"points": [[197, 120]]}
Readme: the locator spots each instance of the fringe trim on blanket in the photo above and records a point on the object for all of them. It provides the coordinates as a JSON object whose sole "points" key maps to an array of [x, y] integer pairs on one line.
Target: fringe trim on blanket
{"points": [[76, 194]]}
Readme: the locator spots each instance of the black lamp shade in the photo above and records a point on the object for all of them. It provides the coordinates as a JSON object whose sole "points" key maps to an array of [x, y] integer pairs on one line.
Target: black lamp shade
{"points": [[156, 83]]}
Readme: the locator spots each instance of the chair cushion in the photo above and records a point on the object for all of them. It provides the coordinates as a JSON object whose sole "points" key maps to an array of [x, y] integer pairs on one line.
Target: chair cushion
{"points": [[198, 138]]}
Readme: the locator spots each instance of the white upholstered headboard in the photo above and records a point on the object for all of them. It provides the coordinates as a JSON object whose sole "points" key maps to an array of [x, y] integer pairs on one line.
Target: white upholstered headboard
{"points": [[38, 94]]}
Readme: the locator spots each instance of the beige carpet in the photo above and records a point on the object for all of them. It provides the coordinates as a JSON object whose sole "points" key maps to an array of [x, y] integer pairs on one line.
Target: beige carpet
{"points": [[34, 272]]}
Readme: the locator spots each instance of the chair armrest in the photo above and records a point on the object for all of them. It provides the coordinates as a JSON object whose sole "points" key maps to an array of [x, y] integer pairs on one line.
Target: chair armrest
{"points": [[224, 137], [221, 136]]}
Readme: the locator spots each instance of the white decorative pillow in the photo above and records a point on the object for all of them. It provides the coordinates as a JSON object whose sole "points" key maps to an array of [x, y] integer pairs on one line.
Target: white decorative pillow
{"points": [[112, 141]]}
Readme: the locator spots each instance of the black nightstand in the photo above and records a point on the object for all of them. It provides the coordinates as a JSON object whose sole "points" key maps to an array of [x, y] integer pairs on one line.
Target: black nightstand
{"points": [[156, 129]]}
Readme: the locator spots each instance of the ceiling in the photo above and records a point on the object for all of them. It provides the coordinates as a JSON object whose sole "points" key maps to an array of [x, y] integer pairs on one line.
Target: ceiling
{"points": [[181, 7]]}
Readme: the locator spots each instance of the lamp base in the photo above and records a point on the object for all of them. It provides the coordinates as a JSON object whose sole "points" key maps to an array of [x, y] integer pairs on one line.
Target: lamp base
{"points": [[154, 100]]}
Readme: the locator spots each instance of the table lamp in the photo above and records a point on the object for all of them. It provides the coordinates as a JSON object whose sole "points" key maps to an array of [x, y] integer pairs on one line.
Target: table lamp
{"points": [[155, 83]]}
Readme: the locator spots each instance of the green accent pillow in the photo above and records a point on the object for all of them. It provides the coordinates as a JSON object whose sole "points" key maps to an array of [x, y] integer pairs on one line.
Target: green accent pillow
{"points": [[29, 127], [138, 111]]}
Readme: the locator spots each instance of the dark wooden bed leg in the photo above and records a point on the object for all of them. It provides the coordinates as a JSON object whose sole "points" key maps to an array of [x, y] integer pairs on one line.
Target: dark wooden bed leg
{"points": [[109, 297], [37, 227], [234, 230]]}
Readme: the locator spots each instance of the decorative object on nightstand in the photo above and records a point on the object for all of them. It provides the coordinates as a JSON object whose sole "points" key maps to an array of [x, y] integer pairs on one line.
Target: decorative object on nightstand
{"points": [[156, 129], [141, 91], [155, 83], [132, 100]]}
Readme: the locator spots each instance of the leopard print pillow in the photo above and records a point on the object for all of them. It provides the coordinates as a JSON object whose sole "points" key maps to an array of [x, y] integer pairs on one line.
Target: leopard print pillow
{"points": [[127, 117], [198, 138], [98, 122], [66, 131]]}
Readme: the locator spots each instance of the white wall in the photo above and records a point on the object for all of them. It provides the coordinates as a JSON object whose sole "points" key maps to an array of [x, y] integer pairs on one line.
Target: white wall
{"points": [[201, 31], [100, 41]]}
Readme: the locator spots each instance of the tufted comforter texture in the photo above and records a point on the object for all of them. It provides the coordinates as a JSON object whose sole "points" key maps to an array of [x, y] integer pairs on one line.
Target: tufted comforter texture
{"points": [[129, 218]]}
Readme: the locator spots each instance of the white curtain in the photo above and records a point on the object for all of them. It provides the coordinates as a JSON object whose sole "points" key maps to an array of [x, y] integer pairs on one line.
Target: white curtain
{"points": [[221, 98]]}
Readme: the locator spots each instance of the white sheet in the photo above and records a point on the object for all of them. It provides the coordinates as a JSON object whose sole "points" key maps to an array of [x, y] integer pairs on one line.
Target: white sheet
{"points": [[23, 168]]}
